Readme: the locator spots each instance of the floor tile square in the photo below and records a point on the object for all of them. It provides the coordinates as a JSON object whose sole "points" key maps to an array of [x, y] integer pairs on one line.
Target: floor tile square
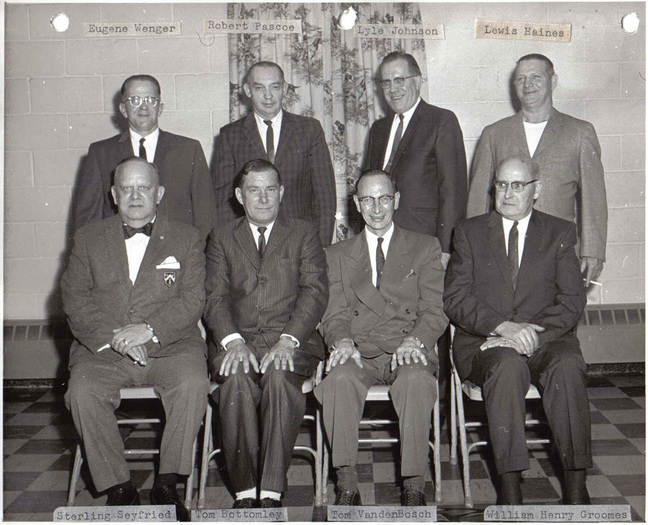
{"points": [[634, 391], [387, 494], [40, 419], [47, 446], [619, 403], [598, 418], [38, 501], [49, 407], [16, 481], [366, 473], [53, 480], [613, 447], [8, 496], [598, 381], [58, 432], [628, 380], [625, 416], [618, 465], [632, 430], [601, 486], [30, 462], [21, 431], [606, 432], [385, 472], [638, 505], [604, 392], [299, 496], [538, 489], [15, 407], [630, 484], [9, 446]]}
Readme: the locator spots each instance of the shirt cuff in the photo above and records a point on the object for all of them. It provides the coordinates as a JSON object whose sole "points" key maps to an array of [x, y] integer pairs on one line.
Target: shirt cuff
{"points": [[293, 339], [230, 338]]}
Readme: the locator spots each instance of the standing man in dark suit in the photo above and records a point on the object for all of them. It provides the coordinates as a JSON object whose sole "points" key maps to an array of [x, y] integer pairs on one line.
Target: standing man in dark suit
{"points": [[514, 290], [294, 144], [133, 293], [266, 292], [382, 323], [567, 151], [422, 147], [180, 162]]}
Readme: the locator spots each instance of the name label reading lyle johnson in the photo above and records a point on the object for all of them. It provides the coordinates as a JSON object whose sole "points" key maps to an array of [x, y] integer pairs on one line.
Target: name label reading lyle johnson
{"points": [[117, 29], [522, 30], [430, 31]]}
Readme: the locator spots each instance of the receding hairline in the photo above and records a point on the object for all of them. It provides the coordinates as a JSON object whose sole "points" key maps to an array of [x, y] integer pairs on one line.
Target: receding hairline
{"points": [[376, 173], [140, 78], [539, 57], [264, 64], [531, 165], [136, 160]]}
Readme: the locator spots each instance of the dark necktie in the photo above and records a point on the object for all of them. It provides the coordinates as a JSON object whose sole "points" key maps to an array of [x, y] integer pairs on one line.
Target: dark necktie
{"points": [[262, 241], [129, 231], [513, 263], [142, 149], [380, 261], [397, 139], [269, 141]]}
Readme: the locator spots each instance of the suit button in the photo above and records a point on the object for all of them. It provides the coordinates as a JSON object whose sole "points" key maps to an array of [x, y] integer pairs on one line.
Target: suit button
{"points": [[131, 311], [407, 310], [262, 280], [405, 330], [356, 313], [515, 312], [260, 308]]}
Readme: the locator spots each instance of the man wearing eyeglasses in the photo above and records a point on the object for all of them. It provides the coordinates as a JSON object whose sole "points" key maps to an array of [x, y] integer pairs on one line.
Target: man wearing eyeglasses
{"points": [[567, 150], [513, 290], [381, 325], [180, 161], [422, 147]]}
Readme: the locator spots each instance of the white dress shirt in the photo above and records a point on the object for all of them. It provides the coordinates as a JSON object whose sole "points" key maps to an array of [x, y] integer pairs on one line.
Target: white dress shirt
{"points": [[523, 225], [150, 144], [372, 243], [263, 129], [533, 132], [407, 116]]}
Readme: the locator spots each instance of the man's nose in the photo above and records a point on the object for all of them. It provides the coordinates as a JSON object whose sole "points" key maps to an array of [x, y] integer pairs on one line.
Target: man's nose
{"points": [[375, 206], [267, 94], [392, 87], [509, 192], [263, 196]]}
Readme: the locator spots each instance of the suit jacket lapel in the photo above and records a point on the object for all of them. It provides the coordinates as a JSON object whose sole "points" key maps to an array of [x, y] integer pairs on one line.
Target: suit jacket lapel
{"points": [[550, 133], [532, 242], [161, 149], [125, 146], [243, 237], [253, 137], [277, 237], [518, 134], [359, 266], [496, 239], [155, 246], [116, 252], [397, 264], [285, 138], [383, 127], [409, 132]]}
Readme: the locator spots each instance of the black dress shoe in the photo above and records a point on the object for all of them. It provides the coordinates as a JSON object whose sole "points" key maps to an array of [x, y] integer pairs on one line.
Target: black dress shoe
{"points": [[123, 495], [575, 490], [246, 503], [269, 503], [167, 495], [347, 497], [412, 498]]}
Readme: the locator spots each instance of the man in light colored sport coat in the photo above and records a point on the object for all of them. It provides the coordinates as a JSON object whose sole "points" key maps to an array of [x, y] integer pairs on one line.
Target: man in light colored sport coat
{"points": [[383, 320], [567, 151]]}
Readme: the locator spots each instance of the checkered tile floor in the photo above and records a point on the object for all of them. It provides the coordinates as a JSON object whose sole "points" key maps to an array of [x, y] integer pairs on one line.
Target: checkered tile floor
{"points": [[39, 442]]}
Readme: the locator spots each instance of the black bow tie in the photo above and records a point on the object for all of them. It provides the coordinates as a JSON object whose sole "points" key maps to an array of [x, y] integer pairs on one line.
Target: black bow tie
{"points": [[129, 231]]}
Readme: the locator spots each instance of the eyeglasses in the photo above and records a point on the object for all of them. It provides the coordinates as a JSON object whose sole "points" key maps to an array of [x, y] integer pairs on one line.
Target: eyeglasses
{"points": [[517, 186], [398, 82], [136, 101], [370, 202]]}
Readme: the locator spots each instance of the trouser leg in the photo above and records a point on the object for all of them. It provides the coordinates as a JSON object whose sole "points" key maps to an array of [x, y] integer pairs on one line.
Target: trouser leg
{"points": [[92, 397], [504, 378], [182, 384], [413, 394], [558, 369]]}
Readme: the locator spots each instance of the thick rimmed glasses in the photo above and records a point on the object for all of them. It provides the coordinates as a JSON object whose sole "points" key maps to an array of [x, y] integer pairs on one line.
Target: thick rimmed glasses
{"points": [[370, 202], [516, 186], [136, 101], [398, 82]]}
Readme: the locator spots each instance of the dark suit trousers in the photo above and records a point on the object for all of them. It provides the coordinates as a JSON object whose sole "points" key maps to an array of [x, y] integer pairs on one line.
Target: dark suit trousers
{"points": [[413, 392], [93, 395], [558, 370], [277, 397]]}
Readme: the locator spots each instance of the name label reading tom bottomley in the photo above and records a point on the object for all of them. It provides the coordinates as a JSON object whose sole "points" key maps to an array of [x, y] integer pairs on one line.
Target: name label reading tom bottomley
{"points": [[523, 30], [117, 29], [431, 31], [279, 27]]}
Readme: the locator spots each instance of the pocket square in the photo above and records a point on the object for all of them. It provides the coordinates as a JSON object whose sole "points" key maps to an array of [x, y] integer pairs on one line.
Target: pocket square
{"points": [[170, 263]]}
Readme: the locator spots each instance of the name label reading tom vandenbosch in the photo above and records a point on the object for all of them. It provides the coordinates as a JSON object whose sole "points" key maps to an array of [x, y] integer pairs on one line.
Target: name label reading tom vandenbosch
{"points": [[130, 29], [522, 31]]}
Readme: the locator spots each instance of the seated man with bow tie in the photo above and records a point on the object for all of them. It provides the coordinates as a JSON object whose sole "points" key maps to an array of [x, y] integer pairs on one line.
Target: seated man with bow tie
{"points": [[384, 317], [133, 293], [266, 292], [515, 292]]}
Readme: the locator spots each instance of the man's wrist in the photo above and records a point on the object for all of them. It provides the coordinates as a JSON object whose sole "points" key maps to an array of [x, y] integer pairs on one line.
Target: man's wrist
{"points": [[414, 340], [290, 338], [232, 337], [344, 340]]}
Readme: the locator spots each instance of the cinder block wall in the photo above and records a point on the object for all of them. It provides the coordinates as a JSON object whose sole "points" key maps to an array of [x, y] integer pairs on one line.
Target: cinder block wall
{"points": [[60, 90]]}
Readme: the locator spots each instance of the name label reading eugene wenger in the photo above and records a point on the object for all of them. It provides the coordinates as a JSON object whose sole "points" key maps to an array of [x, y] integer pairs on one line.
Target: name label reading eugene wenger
{"points": [[280, 27], [431, 31], [117, 29], [523, 31], [558, 513]]}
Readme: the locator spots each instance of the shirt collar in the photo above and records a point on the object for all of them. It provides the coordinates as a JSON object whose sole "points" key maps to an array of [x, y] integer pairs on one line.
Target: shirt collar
{"points": [[522, 223], [275, 120], [408, 114], [136, 136], [374, 238], [255, 229]]}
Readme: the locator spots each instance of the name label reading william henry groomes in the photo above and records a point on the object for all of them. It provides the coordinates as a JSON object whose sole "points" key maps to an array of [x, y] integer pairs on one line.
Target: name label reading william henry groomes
{"points": [[523, 30], [117, 29], [279, 27], [431, 31], [558, 513]]}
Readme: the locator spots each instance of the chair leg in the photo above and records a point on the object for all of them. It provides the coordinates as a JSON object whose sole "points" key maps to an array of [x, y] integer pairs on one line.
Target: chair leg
{"points": [[320, 487], [325, 473], [437, 449], [76, 471], [208, 446], [464, 443], [453, 422], [190, 479]]}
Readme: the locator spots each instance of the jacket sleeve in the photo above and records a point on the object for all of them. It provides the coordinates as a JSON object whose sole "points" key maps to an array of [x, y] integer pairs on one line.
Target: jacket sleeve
{"points": [[336, 321], [593, 212], [323, 181], [452, 178], [179, 315], [481, 176], [202, 191], [462, 306], [223, 173]]}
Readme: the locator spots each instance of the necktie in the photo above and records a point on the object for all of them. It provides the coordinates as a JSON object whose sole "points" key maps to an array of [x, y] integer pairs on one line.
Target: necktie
{"points": [[513, 263], [397, 139], [129, 231], [142, 152], [270, 152], [380, 261], [262, 241]]}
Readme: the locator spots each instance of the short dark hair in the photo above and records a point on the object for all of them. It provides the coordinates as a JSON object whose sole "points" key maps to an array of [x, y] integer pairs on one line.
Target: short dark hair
{"points": [[255, 166], [140, 160], [412, 65], [375, 173], [537, 56], [140, 78], [527, 161], [263, 63]]}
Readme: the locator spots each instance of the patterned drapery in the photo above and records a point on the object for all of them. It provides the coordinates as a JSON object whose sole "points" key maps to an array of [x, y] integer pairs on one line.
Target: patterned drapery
{"points": [[330, 74]]}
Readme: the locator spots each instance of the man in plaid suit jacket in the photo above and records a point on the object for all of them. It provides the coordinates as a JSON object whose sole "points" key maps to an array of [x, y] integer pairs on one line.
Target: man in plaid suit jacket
{"points": [[297, 147]]}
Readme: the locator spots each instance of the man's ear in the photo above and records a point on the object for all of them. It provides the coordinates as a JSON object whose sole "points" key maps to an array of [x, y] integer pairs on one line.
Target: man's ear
{"points": [[160, 193], [357, 203], [538, 188], [122, 110], [281, 192], [396, 199], [239, 195], [114, 195], [247, 90], [554, 81]]}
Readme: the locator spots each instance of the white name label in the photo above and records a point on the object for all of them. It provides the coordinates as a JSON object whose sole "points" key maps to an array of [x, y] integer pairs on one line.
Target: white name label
{"points": [[430, 31], [117, 29], [522, 30], [134, 513], [276, 514], [381, 513], [280, 27], [558, 513]]}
